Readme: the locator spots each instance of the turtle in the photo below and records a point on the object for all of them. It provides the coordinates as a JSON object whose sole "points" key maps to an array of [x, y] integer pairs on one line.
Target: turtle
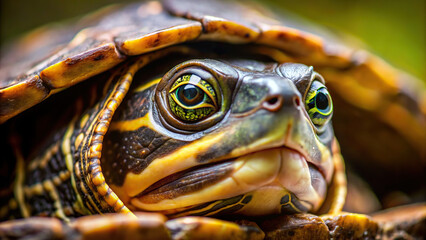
{"points": [[181, 119]]}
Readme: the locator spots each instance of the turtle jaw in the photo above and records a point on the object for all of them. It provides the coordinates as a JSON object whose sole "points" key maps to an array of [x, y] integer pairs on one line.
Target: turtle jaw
{"points": [[281, 157], [242, 175], [302, 178], [274, 173]]}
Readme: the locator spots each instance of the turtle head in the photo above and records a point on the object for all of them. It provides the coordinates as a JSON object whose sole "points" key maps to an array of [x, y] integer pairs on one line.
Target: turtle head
{"points": [[218, 137]]}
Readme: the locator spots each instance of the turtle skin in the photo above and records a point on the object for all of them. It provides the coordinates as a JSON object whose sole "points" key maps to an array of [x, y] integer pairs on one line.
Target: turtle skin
{"points": [[106, 43]]}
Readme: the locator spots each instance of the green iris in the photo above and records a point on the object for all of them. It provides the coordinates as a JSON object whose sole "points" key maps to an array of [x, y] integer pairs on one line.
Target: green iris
{"points": [[192, 99], [318, 104]]}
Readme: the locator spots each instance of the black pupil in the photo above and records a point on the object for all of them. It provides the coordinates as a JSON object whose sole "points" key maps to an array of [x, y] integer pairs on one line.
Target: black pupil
{"points": [[321, 101], [190, 95]]}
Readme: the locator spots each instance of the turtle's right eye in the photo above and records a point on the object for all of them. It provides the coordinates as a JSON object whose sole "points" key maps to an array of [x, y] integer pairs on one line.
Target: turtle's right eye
{"points": [[192, 99], [318, 104]]}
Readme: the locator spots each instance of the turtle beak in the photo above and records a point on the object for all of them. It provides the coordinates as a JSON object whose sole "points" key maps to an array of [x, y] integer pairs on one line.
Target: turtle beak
{"points": [[306, 165]]}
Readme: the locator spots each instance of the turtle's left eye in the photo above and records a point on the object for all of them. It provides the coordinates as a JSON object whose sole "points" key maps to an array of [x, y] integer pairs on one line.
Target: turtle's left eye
{"points": [[318, 104], [191, 98]]}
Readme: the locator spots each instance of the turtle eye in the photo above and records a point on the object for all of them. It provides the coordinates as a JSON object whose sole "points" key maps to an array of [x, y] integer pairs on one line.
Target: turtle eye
{"points": [[192, 99], [318, 104]]}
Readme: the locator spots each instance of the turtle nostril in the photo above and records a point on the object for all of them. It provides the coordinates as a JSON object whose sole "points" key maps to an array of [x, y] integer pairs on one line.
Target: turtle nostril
{"points": [[296, 101], [273, 103]]}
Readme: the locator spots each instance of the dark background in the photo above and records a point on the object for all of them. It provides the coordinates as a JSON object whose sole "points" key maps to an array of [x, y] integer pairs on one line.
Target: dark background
{"points": [[393, 29]]}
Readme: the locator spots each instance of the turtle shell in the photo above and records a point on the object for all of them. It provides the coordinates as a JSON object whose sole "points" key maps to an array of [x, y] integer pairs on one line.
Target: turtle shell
{"points": [[380, 111]]}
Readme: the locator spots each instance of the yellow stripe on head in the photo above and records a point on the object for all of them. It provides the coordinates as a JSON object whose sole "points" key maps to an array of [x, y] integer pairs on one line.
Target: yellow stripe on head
{"points": [[147, 85], [181, 159]]}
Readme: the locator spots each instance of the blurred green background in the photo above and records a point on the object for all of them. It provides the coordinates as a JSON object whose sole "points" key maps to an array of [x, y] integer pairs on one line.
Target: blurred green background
{"points": [[395, 30]]}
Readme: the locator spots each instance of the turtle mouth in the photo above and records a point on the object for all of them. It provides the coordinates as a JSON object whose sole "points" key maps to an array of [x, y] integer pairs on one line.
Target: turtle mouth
{"points": [[282, 166], [186, 181]]}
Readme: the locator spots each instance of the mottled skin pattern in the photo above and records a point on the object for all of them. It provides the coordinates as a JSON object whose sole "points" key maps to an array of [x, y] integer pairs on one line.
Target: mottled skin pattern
{"points": [[49, 194]]}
